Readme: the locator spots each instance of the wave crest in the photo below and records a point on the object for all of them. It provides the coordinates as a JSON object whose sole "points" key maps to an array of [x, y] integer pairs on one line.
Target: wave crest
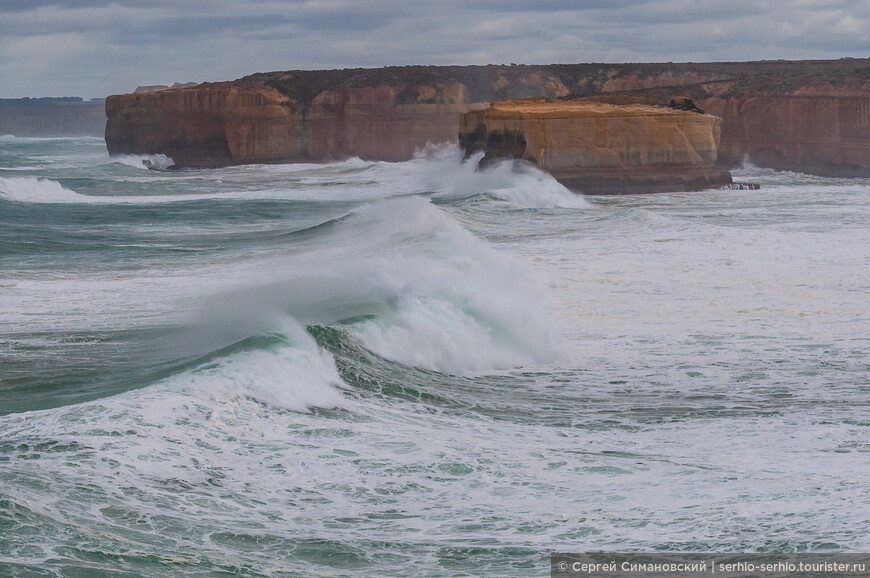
{"points": [[445, 170], [295, 374], [37, 190], [158, 162], [410, 283]]}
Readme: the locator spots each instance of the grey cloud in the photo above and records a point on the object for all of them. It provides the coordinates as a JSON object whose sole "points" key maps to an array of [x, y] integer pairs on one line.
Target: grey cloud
{"points": [[110, 46], [131, 24], [497, 6], [27, 5]]}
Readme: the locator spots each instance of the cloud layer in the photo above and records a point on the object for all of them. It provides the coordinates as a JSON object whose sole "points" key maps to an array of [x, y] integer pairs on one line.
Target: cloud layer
{"points": [[93, 48]]}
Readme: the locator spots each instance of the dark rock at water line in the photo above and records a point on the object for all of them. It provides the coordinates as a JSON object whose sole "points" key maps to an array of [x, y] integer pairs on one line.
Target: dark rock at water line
{"points": [[686, 104], [741, 187]]}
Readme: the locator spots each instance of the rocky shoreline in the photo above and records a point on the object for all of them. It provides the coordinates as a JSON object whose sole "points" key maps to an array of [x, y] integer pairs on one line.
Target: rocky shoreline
{"points": [[810, 116], [601, 148]]}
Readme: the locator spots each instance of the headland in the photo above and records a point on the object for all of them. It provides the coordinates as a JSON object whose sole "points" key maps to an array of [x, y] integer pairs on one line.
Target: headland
{"points": [[812, 116]]}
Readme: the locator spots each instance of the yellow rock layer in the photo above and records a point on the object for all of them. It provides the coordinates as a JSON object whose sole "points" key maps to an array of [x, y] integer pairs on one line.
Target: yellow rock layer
{"points": [[582, 142]]}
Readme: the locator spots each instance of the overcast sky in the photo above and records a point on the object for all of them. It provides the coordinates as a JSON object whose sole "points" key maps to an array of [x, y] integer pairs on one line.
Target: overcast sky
{"points": [[92, 48]]}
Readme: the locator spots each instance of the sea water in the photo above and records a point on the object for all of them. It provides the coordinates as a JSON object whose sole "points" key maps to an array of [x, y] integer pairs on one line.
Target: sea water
{"points": [[367, 368]]}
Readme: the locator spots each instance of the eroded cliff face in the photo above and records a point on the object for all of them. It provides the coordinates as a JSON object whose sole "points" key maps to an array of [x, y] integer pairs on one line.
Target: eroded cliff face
{"points": [[800, 115], [381, 122], [294, 119], [599, 147], [819, 134], [806, 124], [204, 126]]}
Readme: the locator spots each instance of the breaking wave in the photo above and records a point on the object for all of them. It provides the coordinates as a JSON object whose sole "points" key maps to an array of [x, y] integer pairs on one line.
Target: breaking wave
{"points": [[37, 190], [156, 162], [409, 283], [289, 371], [445, 170]]}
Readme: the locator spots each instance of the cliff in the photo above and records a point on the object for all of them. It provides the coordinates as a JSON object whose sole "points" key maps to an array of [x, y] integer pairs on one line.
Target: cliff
{"points": [[812, 133], [380, 114], [601, 148], [48, 117], [815, 122], [215, 126], [805, 115]]}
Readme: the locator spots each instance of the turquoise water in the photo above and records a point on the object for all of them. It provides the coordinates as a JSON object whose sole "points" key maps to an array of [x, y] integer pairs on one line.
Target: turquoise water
{"points": [[365, 368]]}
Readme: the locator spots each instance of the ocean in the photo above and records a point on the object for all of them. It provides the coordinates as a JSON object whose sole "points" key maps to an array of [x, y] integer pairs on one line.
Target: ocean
{"points": [[397, 369]]}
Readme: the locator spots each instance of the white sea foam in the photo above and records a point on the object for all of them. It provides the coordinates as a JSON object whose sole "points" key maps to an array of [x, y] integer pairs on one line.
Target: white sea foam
{"points": [[437, 171], [459, 305], [36, 190], [440, 298], [716, 380], [748, 169], [289, 168], [769, 177], [446, 172], [438, 334], [295, 376], [151, 162], [40, 190]]}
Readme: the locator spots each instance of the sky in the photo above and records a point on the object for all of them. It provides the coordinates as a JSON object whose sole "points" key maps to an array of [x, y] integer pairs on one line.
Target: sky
{"points": [[93, 48]]}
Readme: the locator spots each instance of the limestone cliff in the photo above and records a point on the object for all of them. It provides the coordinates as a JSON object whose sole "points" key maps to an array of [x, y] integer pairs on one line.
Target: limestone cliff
{"points": [[815, 123], [380, 114], [601, 148], [802, 115], [215, 126], [825, 134], [383, 113]]}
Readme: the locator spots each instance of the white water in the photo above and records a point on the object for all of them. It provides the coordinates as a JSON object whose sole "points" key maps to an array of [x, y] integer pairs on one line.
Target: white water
{"points": [[679, 371], [442, 299], [296, 376], [148, 162]]}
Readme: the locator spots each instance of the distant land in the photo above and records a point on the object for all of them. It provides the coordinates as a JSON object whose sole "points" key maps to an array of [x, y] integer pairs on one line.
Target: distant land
{"points": [[46, 117], [811, 116]]}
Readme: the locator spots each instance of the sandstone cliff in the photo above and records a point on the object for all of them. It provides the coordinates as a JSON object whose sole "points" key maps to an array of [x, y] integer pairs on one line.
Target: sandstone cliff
{"points": [[215, 126], [601, 148], [802, 115], [815, 122], [380, 114]]}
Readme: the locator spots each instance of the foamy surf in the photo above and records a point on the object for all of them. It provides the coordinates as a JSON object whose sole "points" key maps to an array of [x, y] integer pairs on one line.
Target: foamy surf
{"points": [[39, 190], [293, 374], [694, 356], [444, 170], [768, 177], [748, 169], [418, 288], [440, 335], [158, 162], [459, 306]]}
